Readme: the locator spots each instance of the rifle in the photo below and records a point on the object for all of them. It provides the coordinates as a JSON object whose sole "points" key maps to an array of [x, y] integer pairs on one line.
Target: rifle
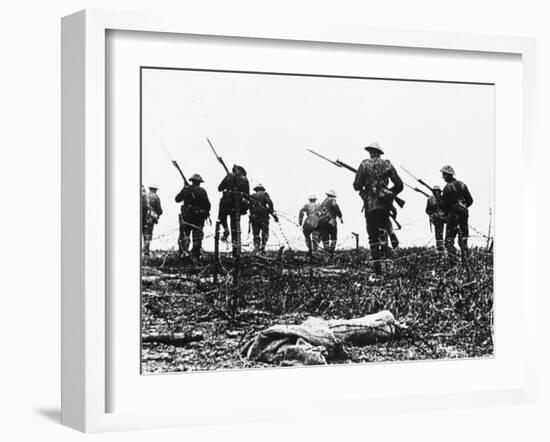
{"points": [[416, 189], [220, 159], [419, 180], [400, 202], [175, 163]]}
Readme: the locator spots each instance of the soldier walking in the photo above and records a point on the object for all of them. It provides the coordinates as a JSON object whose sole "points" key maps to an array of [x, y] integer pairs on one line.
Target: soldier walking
{"points": [[261, 207], [152, 216], [371, 181], [233, 203], [195, 210], [434, 210], [456, 200], [310, 212], [328, 226]]}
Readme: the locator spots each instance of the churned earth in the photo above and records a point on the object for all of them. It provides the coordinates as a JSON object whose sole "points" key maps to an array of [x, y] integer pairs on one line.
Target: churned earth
{"points": [[197, 317]]}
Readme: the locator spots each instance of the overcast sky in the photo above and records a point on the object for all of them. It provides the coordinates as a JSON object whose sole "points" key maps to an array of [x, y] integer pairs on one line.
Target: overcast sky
{"points": [[266, 122]]}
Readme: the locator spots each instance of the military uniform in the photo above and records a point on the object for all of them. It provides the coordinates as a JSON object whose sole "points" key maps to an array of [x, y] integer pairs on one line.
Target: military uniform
{"points": [[310, 226], [261, 207], [236, 192], [328, 227], [437, 218], [455, 201], [154, 211], [371, 180], [194, 212]]}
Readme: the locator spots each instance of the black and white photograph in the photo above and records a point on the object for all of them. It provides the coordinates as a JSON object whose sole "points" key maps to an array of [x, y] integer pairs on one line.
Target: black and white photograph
{"points": [[293, 219]]}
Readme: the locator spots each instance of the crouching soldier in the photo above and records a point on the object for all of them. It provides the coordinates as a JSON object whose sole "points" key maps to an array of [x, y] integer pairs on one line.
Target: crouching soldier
{"points": [[261, 207], [456, 200], [154, 211], [328, 226], [437, 216], [194, 212], [310, 212], [233, 203]]}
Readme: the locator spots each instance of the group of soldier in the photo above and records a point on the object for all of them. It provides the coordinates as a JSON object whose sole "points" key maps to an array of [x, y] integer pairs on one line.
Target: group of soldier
{"points": [[447, 210]]}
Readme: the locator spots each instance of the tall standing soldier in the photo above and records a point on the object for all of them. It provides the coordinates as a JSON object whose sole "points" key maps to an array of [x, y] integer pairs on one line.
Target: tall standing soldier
{"points": [[328, 226], [434, 210], [151, 218], [456, 200], [234, 202], [371, 180], [310, 212], [195, 210], [261, 207]]}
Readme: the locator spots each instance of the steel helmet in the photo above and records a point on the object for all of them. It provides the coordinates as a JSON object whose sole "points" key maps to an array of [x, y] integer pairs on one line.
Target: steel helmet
{"points": [[331, 193], [312, 197], [448, 169], [259, 187], [153, 186], [434, 188], [196, 177], [374, 147]]}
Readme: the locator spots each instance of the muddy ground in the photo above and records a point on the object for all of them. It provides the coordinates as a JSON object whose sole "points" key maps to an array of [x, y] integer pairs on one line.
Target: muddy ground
{"points": [[195, 320]]}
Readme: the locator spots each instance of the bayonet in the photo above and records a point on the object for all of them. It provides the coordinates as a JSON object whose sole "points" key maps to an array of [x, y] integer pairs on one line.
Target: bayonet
{"points": [[418, 179], [220, 159], [416, 189]]}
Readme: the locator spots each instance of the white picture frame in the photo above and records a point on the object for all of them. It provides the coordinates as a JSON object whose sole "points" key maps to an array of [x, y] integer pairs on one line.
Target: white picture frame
{"points": [[85, 351]]}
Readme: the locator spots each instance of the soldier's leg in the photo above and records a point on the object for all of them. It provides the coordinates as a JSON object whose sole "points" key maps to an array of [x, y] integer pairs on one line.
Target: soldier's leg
{"points": [[147, 236], [438, 227], [198, 235], [265, 234], [256, 227], [450, 235], [315, 238], [307, 236], [324, 236], [186, 238], [223, 213], [333, 238], [373, 231], [463, 233]]}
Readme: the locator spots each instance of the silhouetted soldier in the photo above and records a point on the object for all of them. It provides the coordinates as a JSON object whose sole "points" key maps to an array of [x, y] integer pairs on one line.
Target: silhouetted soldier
{"points": [[310, 212], [371, 180], [194, 212], [328, 226], [434, 210], [261, 207], [152, 216], [456, 200], [234, 202]]}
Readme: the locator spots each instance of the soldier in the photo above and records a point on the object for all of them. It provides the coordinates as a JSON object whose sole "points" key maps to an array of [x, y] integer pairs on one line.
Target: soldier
{"points": [[456, 200], [328, 226], [261, 207], [437, 216], [234, 202], [194, 212], [371, 180], [310, 212], [153, 214]]}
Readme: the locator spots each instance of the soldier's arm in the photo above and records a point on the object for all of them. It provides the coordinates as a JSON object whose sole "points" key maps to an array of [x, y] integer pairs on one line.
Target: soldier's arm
{"points": [[429, 208], [303, 210], [223, 185], [337, 210], [358, 181], [207, 205], [468, 196], [270, 207], [396, 180], [159, 211], [181, 195]]}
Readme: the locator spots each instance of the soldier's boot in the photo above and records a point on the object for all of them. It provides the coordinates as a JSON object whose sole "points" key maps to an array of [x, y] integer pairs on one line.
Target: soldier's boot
{"points": [[308, 245], [196, 253], [185, 242], [394, 241], [146, 245], [225, 235], [256, 244], [332, 246], [375, 254]]}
